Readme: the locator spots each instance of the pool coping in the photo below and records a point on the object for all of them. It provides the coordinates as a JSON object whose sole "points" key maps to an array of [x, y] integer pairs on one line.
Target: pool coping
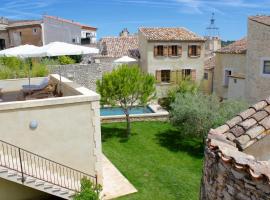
{"points": [[157, 109]]}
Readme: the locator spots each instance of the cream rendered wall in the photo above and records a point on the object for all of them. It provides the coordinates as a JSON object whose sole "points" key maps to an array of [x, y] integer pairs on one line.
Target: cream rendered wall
{"points": [[13, 191], [257, 84], [151, 64], [234, 62], [68, 129], [236, 88]]}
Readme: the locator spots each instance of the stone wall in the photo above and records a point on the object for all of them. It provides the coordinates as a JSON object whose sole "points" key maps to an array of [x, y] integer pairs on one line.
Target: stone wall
{"points": [[83, 74], [230, 177]]}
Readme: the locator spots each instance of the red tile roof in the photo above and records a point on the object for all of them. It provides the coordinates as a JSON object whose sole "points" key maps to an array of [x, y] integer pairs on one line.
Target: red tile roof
{"points": [[120, 46], [170, 34], [238, 47], [263, 19], [239, 133]]}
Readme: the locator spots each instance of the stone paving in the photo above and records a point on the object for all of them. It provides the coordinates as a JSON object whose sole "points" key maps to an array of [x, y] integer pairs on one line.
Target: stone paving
{"points": [[114, 183]]}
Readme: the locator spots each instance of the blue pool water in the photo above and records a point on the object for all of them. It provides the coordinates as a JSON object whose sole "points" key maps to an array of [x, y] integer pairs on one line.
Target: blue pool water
{"points": [[119, 111]]}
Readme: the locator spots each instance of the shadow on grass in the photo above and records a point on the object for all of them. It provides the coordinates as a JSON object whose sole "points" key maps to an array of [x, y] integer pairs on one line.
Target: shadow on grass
{"points": [[114, 132], [174, 141]]}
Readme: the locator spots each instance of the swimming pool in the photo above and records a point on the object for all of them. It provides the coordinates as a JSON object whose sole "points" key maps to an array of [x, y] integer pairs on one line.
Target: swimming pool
{"points": [[119, 111]]}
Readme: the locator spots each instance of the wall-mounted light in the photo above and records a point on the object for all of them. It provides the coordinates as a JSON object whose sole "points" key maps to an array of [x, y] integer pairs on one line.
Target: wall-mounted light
{"points": [[33, 125]]}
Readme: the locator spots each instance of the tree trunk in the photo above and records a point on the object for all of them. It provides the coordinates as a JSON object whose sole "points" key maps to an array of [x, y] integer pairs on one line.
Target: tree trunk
{"points": [[128, 125]]}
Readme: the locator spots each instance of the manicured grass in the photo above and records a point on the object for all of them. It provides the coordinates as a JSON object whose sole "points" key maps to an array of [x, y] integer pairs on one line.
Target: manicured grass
{"points": [[159, 163]]}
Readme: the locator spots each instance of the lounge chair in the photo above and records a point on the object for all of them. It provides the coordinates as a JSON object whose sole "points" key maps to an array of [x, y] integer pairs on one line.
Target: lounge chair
{"points": [[32, 88]]}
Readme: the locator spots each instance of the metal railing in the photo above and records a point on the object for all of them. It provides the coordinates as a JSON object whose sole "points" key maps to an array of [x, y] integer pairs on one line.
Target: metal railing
{"points": [[32, 165]]}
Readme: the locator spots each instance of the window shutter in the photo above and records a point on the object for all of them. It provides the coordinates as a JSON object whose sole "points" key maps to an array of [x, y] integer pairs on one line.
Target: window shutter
{"points": [[199, 50], [179, 76], [170, 50], [165, 51], [179, 50], [193, 74], [173, 77], [189, 51], [155, 51], [158, 76]]}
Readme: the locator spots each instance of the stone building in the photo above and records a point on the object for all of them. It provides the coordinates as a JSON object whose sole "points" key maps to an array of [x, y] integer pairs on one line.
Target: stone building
{"points": [[41, 32], [171, 54], [243, 68], [230, 70], [208, 76], [236, 164], [258, 58]]}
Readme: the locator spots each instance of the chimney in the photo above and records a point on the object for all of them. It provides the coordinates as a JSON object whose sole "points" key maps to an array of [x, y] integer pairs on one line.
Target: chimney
{"points": [[124, 33]]}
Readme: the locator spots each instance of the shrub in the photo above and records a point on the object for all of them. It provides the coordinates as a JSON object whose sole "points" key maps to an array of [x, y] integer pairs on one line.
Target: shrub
{"points": [[196, 113], [89, 191], [65, 60], [185, 86], [49, 61]]}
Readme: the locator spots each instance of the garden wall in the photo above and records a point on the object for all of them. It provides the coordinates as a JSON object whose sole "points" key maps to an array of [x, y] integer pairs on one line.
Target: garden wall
{"points": [[83, 74], [230, 174]]}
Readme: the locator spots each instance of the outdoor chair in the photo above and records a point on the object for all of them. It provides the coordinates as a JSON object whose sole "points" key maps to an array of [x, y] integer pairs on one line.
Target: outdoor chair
{"points": [[32, 88]]}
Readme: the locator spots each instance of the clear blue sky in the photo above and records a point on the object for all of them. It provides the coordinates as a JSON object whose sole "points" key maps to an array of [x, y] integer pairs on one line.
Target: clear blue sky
{"points": [[111, 16]]}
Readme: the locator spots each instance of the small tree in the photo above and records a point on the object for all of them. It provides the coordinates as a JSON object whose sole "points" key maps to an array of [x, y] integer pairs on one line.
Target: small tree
{"points": [[89, 191], [126, 86]]}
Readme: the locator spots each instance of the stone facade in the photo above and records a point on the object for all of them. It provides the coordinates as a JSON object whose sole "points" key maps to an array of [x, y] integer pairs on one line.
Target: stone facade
{"points": [[236, 163], [83, 74]]}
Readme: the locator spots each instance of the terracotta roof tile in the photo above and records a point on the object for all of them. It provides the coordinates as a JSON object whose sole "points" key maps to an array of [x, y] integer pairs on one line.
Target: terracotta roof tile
{"points": [[255, 131], [260, 105], [247, 113], [248, 123], [120, 46], [170, 34], [266, 123], [231, 123], [238, 47], [260, 115], [237, 131]]}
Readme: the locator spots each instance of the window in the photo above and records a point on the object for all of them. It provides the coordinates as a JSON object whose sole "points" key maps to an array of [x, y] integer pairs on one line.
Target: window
{"points": [[266, 67], [186, 73], [159, 50], [193, 50], [165, 76], [73, 40], [34, 30], [174, 50], [226, 77], [205, 76]]}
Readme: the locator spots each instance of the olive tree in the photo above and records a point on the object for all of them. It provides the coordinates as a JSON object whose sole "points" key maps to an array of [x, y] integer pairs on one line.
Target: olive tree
{"points": [[126, 86], [196, 113]]}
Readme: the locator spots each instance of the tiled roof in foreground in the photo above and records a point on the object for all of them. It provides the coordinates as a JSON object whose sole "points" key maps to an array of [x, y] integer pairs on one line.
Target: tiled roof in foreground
{"points": [[238, 47], [263, 19], [170, 34], [239, 133], [120, 46]]}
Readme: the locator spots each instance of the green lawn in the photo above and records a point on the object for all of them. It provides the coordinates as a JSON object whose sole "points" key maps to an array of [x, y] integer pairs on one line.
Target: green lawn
{"points": [[155, 160]]}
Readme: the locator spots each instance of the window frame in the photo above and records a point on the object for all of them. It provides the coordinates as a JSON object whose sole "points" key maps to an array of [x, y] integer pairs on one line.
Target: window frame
{"points": [[263, 67], [205, 76], [160, 50], [165, 78], [174, 48], [184, 74], [226, 78]]}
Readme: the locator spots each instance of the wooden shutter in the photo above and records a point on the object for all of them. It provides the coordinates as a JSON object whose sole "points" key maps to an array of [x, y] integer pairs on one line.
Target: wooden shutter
{"points": [[158, 76], [155, 51], [199, 50], [165, 51], [169, 50], [173, 77], [189, 50], [178, 76], [179, 50], [193, 74]]}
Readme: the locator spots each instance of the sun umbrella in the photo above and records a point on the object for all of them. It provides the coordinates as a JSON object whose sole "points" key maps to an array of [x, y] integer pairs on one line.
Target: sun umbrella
{"points": [[62, 48], [125, 59], [23, 51]]}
